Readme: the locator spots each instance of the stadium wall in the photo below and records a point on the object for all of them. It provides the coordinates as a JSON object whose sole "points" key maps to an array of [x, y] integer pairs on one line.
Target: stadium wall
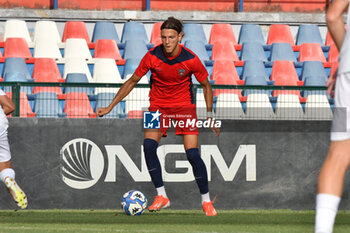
{"points": [[251, 165], [179, 5]]}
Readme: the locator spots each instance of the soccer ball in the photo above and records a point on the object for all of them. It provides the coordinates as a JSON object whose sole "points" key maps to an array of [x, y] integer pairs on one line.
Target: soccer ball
{"points": [[134, 202]]}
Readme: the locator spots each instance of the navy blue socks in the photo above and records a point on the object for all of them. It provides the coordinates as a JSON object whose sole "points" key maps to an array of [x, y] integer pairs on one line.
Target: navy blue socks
{"points": [[152, 161], [199, 169]]}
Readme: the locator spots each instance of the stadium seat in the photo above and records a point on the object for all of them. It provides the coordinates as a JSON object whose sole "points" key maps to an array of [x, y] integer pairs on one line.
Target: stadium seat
{"points": [[46, 65], [333, 53], [106, 71], [155, 35], [46, 48], [78, 78], [224, 68], [258, 106], [253, 51], [103, 100], [254, 68], [130, 67], [135, 49], [134, 30], [222, 32], [77, 48], [309, 33], [255, 80], [24, 107], [228, 106], [76, 65], [46, 30], [198, 47], [280, 33], [284, 74], [135, 114], [46, 104], [17, 29], [16, 47], [251, 33], [282, 51], [288, 107], [106, 31], [314, 81], [329, 39], [107, 48], [16, 65], [224, 50], [313, 68], [137, 99], [311, 52], [46, 77], [17, 77], [78, 106], [317, 107], [76, 30], [201, 106], [194, 32]]}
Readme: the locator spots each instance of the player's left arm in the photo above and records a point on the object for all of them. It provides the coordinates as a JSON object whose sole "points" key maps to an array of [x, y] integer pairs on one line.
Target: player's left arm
{"points": [[208, 96], [7, 105]]}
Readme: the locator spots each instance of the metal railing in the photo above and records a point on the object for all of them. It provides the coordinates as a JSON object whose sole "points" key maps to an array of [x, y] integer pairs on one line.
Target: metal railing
{"points": [[230, 101]]}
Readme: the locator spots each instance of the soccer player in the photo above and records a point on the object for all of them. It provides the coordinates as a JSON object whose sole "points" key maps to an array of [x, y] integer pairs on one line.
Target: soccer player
{"points": [[7, 174], [171, 93], [331, 178]]}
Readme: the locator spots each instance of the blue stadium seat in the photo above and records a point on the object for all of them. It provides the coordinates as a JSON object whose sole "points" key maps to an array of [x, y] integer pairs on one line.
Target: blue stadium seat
{"points": [[132, 30], [309, 33], [255, 80], [16, 65], [254, 68], [198, 47], [194, 31], [253, 51], [105, 30], [313, 68], [251, 33], [135, 49], [130, 67], [103, 100], [46, 104], [282, 51], [17, 77], [78, 78], [314, 81]]}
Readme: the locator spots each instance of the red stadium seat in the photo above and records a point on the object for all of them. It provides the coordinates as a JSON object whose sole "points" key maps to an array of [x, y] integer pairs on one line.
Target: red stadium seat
{"points": [[135, 114], [46, 65], [75, 29], [222, 32], [46, 77], [222, 67], [280, 33], [24, 107], [224, 50], [311, 52], [16, 47], [155, 35], [329, 39], [333, 53], [78, 106], [284, 74], [107, 49]]}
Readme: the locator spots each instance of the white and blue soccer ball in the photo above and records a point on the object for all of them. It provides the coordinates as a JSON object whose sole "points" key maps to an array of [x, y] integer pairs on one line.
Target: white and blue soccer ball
{"points": [[134, 202]]}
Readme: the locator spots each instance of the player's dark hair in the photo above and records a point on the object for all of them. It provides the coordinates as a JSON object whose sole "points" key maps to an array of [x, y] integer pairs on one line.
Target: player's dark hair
{"points": [[172, 23]]}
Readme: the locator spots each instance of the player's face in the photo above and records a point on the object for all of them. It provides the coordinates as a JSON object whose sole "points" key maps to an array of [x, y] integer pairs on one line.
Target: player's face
{"points": [[170, 40]]}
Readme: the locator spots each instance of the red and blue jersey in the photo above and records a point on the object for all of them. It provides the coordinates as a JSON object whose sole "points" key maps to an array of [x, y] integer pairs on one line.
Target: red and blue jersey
{"points": [[171, 82]]}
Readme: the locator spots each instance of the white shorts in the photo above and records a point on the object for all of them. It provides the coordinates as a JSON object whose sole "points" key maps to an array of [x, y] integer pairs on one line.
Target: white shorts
{"points": [[5, 154], [341, 117]]}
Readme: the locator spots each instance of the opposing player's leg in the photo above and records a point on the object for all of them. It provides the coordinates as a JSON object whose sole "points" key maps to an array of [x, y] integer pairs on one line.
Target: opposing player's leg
{"points": [[199, 171], [150, 145], [330, 185]]}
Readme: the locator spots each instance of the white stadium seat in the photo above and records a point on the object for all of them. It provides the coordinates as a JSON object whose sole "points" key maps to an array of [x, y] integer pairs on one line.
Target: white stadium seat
{"points": [[17, 29], [76, 65], [77, 48], [46, 48], [259, 107], [46, 30], [288, 107], [228, 106], [106, 71], [317, 108]]}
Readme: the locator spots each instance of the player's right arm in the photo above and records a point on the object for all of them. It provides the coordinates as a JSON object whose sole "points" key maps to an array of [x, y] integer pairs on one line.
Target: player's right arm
{"points": [[7, 105], [122, 93]]}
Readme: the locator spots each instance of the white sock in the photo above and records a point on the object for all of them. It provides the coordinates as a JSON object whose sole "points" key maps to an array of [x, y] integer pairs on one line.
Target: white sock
{"points": [[7, 172], [326, 210], [205, 197], [161, 191]]}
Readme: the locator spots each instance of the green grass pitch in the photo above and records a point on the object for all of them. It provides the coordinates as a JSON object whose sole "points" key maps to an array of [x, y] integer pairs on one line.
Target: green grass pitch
{"points": [[242, 221]]}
